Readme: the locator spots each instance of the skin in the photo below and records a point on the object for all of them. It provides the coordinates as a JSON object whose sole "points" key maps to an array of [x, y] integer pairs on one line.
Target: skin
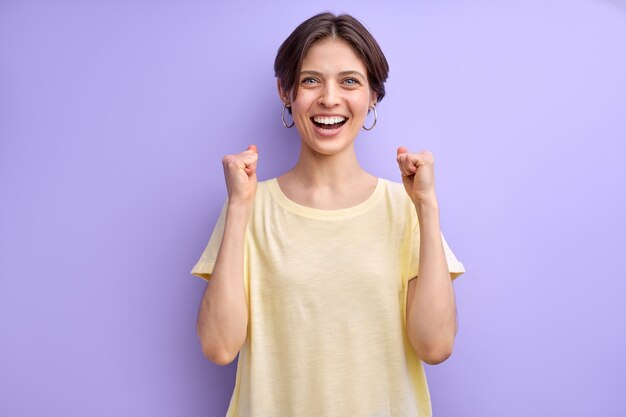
{"points": [[328, 176]]}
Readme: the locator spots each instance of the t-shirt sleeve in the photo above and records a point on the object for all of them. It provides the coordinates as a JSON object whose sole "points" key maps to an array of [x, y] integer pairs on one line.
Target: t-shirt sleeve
{"points": [[204, 267], [455, 266]]}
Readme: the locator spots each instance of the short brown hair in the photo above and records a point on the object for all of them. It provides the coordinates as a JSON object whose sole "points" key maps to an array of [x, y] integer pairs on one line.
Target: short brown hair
{"points": [[327, 25]]}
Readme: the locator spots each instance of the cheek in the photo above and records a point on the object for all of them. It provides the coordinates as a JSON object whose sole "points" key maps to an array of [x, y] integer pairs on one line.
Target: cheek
{"points": [[301, 116], [300, 107], [297, 110], [362, 107]]}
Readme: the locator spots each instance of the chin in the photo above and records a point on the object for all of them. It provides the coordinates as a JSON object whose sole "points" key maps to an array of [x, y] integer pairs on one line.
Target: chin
{"points": [[329, 142]]}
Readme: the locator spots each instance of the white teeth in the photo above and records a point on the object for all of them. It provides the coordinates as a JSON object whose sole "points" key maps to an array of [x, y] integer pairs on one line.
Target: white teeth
{"points": [[329, 120]]}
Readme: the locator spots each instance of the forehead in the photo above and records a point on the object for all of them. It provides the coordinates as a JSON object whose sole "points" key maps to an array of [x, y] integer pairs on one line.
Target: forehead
{"points": [[332, 55]]}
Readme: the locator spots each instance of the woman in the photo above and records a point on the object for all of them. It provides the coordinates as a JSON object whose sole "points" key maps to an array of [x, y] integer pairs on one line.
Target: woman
{"points": [[314, 275]]}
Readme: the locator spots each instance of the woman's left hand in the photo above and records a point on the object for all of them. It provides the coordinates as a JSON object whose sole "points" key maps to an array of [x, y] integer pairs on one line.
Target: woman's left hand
{"points": [[418, 174]]}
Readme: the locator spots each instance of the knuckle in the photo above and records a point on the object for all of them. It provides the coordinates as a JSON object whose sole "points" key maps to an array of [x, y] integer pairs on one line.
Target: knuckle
{"points": [[231, 162]]}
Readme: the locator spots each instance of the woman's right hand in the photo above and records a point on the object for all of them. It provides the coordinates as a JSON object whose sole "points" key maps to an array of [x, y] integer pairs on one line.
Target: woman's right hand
{"points": [[240, 175]]}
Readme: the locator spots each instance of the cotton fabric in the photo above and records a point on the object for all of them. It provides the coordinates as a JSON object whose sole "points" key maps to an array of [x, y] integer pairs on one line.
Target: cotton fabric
{"points": [[326, 294]]}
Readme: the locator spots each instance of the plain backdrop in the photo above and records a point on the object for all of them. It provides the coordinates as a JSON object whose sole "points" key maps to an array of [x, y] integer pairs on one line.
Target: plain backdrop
{"points": [[114, 117]]}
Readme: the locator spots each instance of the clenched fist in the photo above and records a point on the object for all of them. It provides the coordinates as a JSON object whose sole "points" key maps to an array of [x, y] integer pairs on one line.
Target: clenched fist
{"points": [[418, 174], [240, 175]]}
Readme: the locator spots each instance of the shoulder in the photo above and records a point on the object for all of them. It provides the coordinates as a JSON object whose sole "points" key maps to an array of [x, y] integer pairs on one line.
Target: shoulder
{"points": [[393, 186], [267, 192], [395, 191], [398, 202], [268, 187], [263, 185]]}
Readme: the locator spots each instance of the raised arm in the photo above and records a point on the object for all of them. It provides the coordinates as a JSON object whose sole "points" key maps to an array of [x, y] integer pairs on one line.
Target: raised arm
{"points": [[223, 316], [431, 308]]}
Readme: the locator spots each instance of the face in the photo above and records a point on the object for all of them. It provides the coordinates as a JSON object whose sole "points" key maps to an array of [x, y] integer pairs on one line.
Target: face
{"points": [[333, 97]]}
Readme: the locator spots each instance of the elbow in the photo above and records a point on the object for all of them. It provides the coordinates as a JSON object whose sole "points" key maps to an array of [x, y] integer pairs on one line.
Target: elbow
{"points": [[435, 347], [218, 346], [216, 351], [435, 352], [436, 356], [219, 356]]}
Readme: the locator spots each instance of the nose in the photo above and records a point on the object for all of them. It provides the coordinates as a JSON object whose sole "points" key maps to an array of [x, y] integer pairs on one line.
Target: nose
{"points": [[330, 95]]}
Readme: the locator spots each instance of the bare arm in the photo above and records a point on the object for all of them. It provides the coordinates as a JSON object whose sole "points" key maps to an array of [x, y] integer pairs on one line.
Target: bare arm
{"points": [[431, 308], [223, 316]]}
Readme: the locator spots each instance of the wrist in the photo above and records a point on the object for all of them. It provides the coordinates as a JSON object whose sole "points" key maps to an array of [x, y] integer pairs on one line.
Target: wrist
{"points": [[237, 217], [239, 207], [426, 202], [427, 210]]}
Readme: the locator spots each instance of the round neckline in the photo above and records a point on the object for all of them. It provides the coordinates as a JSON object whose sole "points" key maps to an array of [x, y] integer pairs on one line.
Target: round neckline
{"points": [[316, 213]]}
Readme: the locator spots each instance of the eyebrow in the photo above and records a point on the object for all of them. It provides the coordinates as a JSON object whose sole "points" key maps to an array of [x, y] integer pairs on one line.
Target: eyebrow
{"points": [[342, 73]]}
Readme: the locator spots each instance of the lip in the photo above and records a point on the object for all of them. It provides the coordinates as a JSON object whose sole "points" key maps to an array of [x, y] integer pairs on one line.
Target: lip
{"points": [[329, 115], [328, 132]]}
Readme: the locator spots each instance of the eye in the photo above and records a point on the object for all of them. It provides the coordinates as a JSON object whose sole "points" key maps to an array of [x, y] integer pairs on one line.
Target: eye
{"points": [[351, 81], [308, 81]]}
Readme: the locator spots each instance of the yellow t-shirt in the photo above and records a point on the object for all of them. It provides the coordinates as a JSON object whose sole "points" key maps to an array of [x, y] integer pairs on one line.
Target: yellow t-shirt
{"points": [[326, 293]]}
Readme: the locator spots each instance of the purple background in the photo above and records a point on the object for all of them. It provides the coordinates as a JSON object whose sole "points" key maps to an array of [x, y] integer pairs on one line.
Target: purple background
{"points": [[114, 117]]}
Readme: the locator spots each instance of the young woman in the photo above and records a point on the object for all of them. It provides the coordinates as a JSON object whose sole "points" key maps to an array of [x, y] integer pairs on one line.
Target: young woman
{"points": [[330, 284]]}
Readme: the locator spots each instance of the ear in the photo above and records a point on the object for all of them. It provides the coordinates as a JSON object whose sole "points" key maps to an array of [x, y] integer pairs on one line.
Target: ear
{"points": [[284, 97], [373, 98]]}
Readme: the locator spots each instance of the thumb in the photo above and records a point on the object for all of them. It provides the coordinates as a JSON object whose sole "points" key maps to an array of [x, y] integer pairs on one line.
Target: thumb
{"points": [[253, 148], [401, 150]]}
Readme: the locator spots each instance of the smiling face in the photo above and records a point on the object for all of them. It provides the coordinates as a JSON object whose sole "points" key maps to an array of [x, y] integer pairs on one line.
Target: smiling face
{"points": [[333, 97]]}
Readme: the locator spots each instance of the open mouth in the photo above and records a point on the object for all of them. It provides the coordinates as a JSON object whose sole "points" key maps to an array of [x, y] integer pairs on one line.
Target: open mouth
{"points": [[329, 123]]}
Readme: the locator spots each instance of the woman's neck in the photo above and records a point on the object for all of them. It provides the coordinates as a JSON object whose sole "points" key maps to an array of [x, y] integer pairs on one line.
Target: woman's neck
{"points": [[328, 182], [328, 171]]}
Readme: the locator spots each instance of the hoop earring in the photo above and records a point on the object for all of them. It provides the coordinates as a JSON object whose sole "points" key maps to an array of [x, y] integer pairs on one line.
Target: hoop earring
{"points": [[375, 119], [284, 122]]}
